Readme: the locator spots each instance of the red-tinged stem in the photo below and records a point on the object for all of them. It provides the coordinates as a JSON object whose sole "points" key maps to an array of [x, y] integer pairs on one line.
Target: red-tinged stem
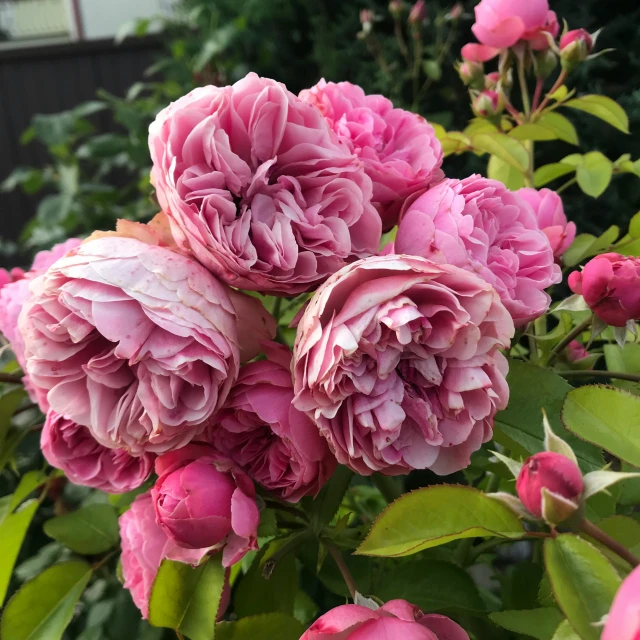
{"points": [[595, 373], [342, 565], [598, 534], [537, 93], [558, 83]]}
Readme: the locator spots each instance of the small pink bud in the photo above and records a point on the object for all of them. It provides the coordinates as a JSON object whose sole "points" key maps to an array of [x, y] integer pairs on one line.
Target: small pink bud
{"points": [[551, 471], [491, 80], [472, 74], [418, 13], [456, 11], [366, 16], [575, 351], [487, 104], [575, 46], [396, 7]]}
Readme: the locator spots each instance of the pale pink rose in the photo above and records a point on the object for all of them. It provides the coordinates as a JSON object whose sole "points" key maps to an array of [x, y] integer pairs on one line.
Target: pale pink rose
{"points": [[474, 52], [547, 205], [262, 432], [136, 342], [623, 621], [259, 189], [481, 226], [70, 447], [205, 503], [502, 23], [400, 150], [397, 362], [7, 277], [396, 620], [44, 259]]}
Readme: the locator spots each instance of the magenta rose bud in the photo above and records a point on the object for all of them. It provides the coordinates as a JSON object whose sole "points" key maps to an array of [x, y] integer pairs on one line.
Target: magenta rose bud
{"points": [[576, 352], [204, 502], [547, 206], [418, 13], [487, 104], [399, 149], [575, 47], [258, 188], [265, 435], [623, 621], [472, 74], [70, 447], [610, 285], [552, 471], [491, 80], [397, 362], [396, 620], [481, 226]]}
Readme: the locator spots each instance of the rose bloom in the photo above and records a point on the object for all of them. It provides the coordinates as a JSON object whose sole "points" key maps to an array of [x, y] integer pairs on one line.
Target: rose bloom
{"points": [[135, 342], [396, 360], [400, 150], [259, 189], [396, 620], [481, 226], [70, 447], [13, 295], [262, 432], [623, 621], [547, 205], [205, 503]]}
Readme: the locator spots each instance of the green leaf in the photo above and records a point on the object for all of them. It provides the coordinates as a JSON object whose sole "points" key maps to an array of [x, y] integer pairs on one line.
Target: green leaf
{"points": [[521, 421], [509, 176], [624, 530], [432, 585], [535, 132], [565, 632], [508, 149], [423, 519], [43, 607], [217, 42], [583, 581], [537, 623], [12, 533], [594, 174], [324, 506], [607, 417], [549, 172], [586, 245], [604, 108], [265, 627], [550, 126], [9, 402], [625, 359], [89, 531], [29, 482], [634, 226], [186, 598]]}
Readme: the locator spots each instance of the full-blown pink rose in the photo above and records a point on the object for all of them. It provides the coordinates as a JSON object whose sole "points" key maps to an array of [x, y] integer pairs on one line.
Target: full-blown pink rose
{"points": [[610, 285], [481, 226], [259, 429], [396, 620], [547, 205], [396, 360], [136, 342], [400, 151], [69, 446], [205, 503], [259, 189], [623, 621]]}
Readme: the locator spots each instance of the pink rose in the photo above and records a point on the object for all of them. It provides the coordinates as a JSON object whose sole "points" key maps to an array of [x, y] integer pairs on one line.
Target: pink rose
{"points": [[400, 150], [45, 259], [551, 471], [396, 620], [547, 205], [610, 284], [259, 429], [396, 360], [7, 277], [623, 622], [481, 226], [68, 446], [473, 52], [205, 503], [258, 188], [136, 342]]}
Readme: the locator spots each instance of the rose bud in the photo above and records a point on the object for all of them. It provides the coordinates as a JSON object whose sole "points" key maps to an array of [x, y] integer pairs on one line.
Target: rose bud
{"points": [[418, 13], [456, 11], [204, 502], [487, 104], [396, 7], [610, 285], [544, 63], [491, 80], [623, 621], [575, 46], [550, 476], [396, 620], [576, 352], [472, 74]]}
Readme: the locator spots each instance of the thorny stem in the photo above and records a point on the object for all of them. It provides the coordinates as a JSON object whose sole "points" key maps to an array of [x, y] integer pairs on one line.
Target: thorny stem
{"points": [[572, 335], [594, 373], [598, 534], [342, 565], [558, 83]]}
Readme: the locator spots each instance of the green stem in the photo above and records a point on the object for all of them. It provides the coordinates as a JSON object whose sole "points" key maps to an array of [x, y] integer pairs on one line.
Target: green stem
{"points": [[598, 534], [594, 373], [528, 176], [402, 45], [388, 487], [524, 90], [572, 335], [463, 552], [11, 378], [342, 566], [566, 185]]}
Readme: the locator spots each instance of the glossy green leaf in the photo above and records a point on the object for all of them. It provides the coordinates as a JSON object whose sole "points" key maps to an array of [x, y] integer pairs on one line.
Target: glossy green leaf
{"points": [[625, 359], [531, 131], [583, 580], [511, 177], [186, 598], [565, 632], [89, 530], [44, 606], [29, 482], [432, 585], [634, 226], [424, 519], [594, 174], [607, 417], [549, 172], [508, 149], [550, 126], [264, 627], [12, 532], [521, 421], [604, 108], [536, 623]]}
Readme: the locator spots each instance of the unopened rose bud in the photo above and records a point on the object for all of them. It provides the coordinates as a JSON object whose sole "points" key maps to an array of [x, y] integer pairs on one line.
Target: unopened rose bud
{"points": [[456, 11], [575, 46], [366, 19], [396, 8], [491, 80], [552, 478], [576, 352], [472, 74], [544, 63], [418, 13], [487, 104]]}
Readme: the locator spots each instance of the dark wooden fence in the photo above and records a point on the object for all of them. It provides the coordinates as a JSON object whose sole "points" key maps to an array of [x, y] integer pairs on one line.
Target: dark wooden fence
{"points": [[50, 79]]}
